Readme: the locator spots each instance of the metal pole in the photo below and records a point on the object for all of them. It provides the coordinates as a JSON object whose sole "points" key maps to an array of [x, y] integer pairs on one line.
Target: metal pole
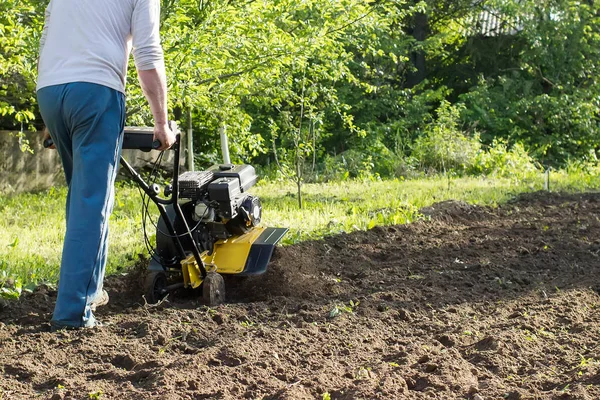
{"points": [[224, 145], [190, 141], [547, 180]]}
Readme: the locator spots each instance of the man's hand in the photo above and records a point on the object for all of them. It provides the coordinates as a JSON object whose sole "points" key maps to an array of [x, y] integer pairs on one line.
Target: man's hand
{"points": [[47, 136], [164, 134]]}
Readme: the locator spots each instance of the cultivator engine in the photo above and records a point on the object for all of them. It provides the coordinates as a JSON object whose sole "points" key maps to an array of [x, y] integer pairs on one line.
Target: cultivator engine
{"points": [[208, 225]]}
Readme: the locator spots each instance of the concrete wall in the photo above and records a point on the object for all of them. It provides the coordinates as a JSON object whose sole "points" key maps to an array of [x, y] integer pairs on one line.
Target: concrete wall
{"points": [[23, 171]]}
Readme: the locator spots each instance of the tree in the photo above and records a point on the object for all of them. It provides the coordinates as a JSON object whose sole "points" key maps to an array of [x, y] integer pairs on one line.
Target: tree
{"points": [[20, 28], [549, 100]]}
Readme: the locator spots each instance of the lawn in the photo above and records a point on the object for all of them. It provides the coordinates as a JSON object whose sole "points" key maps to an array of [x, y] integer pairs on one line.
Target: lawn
{"points": [[32, 224]]}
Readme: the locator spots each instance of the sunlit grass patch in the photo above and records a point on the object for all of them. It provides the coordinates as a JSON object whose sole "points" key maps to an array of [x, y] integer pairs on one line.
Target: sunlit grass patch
{"points": [[347, 206], [32, 224], [32, 228]]}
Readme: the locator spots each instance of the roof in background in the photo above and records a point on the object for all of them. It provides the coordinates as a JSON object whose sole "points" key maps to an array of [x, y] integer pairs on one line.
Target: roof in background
{"points": [[492, 23]]}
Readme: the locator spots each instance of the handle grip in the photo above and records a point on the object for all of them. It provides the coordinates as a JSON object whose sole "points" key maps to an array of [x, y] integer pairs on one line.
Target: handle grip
{"points": [[49, 142], [155, 143]]}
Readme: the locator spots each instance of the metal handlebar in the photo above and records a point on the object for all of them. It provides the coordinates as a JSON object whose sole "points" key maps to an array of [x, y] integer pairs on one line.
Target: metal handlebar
{"points": [[136, 138], [49, 142]]}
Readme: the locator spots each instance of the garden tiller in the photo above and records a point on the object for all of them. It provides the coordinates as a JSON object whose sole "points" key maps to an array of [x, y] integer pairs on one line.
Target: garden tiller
{"points": [[208, 225]]}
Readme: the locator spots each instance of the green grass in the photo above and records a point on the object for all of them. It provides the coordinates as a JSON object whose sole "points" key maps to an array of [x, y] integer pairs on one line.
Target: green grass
{"points": [[357, 205], [32, 224]]}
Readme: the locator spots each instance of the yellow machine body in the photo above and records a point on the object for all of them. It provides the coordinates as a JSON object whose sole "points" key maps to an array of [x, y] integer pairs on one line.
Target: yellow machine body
{"points": [[230, 255], [191, 272], [246, 254]]}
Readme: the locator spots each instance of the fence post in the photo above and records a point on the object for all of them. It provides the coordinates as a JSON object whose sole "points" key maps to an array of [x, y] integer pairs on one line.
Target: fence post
{"points": [[224, 144], [190, 141]]}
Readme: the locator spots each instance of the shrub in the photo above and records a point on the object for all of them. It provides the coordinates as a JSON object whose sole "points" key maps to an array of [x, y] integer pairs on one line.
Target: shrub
{"points": [[349, 164], [444, 147], [500, 160]]}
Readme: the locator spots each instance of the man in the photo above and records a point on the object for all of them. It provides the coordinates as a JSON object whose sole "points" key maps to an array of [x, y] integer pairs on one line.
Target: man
{"points": [[82, 67]]}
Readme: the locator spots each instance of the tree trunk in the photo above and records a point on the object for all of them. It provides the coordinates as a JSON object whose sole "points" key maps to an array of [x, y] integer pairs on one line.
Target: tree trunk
{"points": [[418, 56], [299, 184]]}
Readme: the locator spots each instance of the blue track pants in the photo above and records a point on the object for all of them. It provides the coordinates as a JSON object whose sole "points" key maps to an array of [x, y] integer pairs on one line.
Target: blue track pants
{"points": [[86, 123]]}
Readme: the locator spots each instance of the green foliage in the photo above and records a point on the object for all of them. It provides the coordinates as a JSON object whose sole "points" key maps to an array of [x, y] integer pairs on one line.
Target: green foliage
{"points": [[500, 160], [444, 147], [95, 395], [9, 288], [548, 99], [227, 64], [348, 165], [27, 258], [349, 88], [20, 27]]}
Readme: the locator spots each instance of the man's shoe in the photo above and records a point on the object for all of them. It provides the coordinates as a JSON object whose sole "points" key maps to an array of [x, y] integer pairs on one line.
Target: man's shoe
{"points": [[55, 327], [100, 300]]}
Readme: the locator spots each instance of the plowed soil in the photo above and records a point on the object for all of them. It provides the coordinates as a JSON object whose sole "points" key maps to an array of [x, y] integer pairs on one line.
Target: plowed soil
{"points": [[473, 303]]}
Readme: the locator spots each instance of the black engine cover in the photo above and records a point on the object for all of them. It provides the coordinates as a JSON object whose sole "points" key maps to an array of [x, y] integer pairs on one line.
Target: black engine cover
{"points": [[246, 174], [227, 192]]}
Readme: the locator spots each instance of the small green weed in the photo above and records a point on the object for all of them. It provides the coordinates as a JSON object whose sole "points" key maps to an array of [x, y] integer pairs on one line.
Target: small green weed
{"points": [[95, 395], [340, 308], [247, 323], [585, 362]]}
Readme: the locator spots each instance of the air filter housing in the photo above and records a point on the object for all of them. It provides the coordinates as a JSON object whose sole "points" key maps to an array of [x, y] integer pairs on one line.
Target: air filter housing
{"points": [[193, 184]]}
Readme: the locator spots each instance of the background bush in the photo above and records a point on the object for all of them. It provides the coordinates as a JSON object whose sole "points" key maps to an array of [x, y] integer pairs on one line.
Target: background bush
{"points": [[348, 88]]}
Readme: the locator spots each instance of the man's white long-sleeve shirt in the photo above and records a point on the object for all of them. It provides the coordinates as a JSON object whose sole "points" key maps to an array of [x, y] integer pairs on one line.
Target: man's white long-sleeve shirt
{"points": [[90, 41]]}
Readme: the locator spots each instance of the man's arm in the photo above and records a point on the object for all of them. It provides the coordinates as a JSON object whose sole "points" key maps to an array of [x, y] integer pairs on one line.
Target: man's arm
{"points": [[44, 31], [154, 85], [46, 134], [149, 61]]}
